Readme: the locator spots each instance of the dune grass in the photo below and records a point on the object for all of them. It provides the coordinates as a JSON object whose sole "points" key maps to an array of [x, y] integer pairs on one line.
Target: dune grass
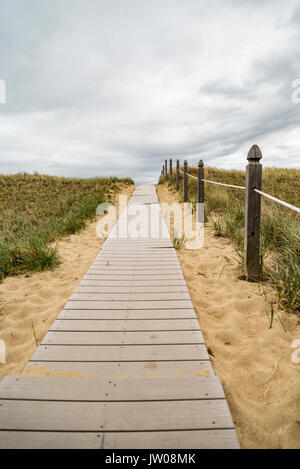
{"points": [[280, 227], [37, 210]]}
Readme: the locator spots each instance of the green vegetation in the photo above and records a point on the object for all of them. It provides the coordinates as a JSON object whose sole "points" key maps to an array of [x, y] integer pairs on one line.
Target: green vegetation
{"points": [[179, 243], [280, 226], [37, 210]]}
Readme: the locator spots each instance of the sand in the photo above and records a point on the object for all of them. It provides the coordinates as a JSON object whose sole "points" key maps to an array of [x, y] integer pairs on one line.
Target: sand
{"points": [[254, 363], [32, 302]]}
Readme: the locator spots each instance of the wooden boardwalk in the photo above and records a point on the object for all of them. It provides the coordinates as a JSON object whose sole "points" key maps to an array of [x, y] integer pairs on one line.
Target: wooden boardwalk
{"points": [[131, 323]]}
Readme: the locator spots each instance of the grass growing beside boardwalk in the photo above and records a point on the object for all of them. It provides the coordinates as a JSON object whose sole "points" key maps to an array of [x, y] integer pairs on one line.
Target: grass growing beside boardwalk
{"points": [[36, 210], [280, 227]]}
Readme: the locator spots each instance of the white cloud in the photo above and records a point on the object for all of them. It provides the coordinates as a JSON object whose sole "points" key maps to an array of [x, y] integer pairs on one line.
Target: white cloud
{"points": [[117, 87]]}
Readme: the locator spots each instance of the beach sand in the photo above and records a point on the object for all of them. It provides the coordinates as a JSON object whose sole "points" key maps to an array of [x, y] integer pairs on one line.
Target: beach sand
{"points": [[32, 302], [254, 363]]}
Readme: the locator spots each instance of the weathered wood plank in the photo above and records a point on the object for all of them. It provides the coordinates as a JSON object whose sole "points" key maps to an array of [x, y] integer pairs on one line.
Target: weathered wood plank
{"points": [[91, 389], [153, 259], [50, 440], [134, 265], [125, 325], [133, 283], [193, 439], [123, 338], [81, 296], [169, 314], [178, 304], [114, 416], [132, 289], [109, 270], [137, 253], [133, 277], [197, 439], [112, 353], [134, 369]]}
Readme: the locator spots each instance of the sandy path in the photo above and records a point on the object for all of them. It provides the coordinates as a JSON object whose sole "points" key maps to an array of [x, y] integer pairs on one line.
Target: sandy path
{"points": [[31, 303], [254, 363]]}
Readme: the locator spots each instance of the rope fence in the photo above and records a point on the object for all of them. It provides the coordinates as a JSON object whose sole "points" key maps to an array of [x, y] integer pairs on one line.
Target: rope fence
{"points": [[213, 182], [281, 202], [253, 195]]}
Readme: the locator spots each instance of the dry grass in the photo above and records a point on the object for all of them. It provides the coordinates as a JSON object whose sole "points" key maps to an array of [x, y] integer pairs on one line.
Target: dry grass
{"points": [[37, 210], [280, 229]]}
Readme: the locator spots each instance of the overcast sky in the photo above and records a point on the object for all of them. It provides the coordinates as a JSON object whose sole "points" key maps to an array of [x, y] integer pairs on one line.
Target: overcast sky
{"points": [[115, 87]]}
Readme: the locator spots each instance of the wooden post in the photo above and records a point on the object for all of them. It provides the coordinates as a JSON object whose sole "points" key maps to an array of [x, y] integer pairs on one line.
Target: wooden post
{"points": [[200, 185], [163, 170], [177, 175], [166, 169], [185, 181], [171, 173], [252, 215]]}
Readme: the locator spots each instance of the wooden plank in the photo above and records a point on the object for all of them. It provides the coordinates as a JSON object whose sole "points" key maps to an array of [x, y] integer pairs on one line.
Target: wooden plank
{"points": [[134, 369], [126, 252], [123, 338], [136, 250], [188, 439], [132, 276], [114, 416], [134, 254], [125, 325], [178, 304], [138, 243], [133, 260], [50, 440], [109, 262], [99, 353], [155, 259], [137, 253], [110, 270], [148, 260], [133, 283], [132, 289], [110, 390], [81, 296], [169, 314]]}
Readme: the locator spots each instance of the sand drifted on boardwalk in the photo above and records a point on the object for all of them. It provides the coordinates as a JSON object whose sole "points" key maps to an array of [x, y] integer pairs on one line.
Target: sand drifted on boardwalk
{"points": [[32, 302], [254, 362]]}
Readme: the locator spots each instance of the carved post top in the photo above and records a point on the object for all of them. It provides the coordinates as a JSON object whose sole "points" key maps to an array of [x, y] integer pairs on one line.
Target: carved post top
{"points": [[200, 164], [178, 163], [254, 155], [185, 163]]}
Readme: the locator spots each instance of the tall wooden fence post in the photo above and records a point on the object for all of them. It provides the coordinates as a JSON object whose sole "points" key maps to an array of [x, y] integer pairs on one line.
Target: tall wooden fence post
{"points": [[200, 185], [166, 169], [177, 175], [185, 181], [163, 170], [252, 215], [171, 171]]}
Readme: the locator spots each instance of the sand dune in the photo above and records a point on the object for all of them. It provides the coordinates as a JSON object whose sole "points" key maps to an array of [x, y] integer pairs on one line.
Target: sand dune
{"points": [[254, 363]]}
